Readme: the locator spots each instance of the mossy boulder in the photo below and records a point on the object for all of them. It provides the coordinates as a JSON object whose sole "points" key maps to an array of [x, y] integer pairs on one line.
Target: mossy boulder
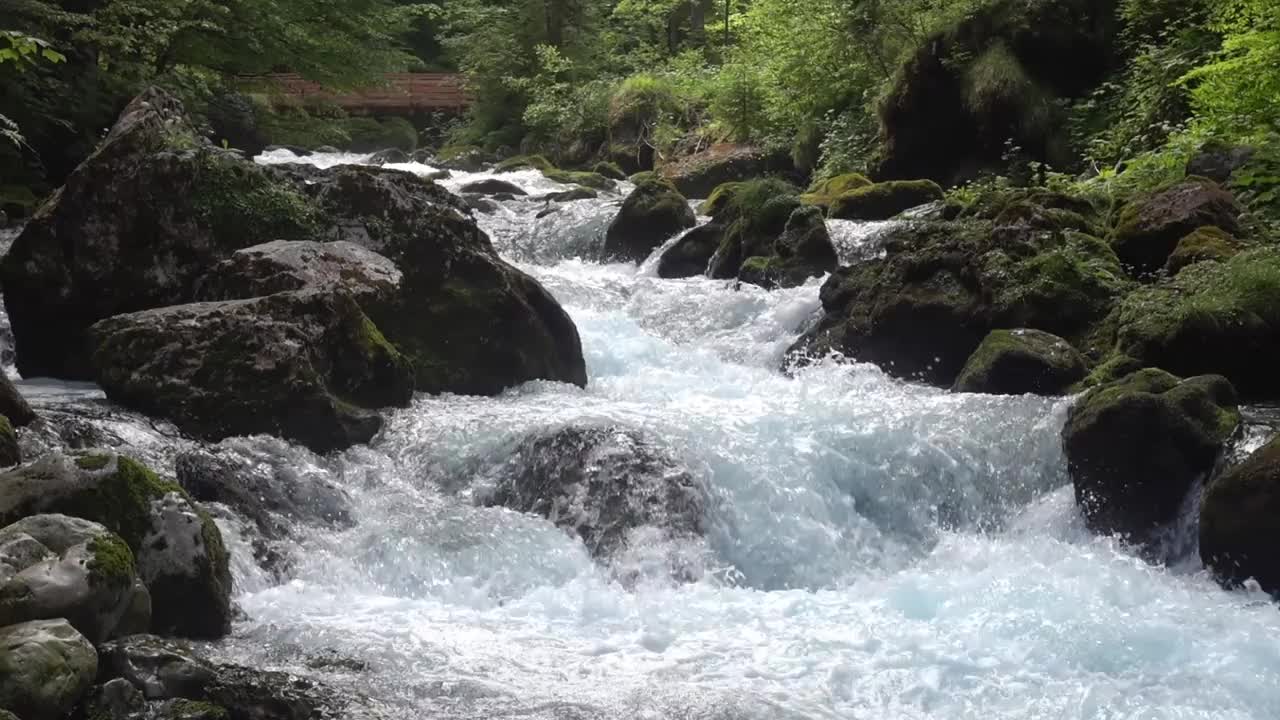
{"points": [[1240, 521], [923, 309], [525, 162], [803, 251], [1221, 318], [755, 214], [592, 180], [177, 548], [1136, 447], [10, 453], [884, 200], [1206, 243], [55, 566], [824, 192], [609, 170], [689, 256], [651, 215], [1022, 361], [1150, 227], [46, 667], [697, 175], [13, 406]]}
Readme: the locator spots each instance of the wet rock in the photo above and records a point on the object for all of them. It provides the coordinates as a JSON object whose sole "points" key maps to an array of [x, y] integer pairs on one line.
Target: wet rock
{"points": [[755, 215], [389, 156], [438, 175], [690, 255], [251, 694], [54, 566], [160, 668], [884, 200], [578, 193], [1135, 447], [1218, 161], [697, 175], [1150, 227], [600, 483], [825, 192], [922, 310], [308, 366], [609, 170], [1240, 521], [1214, 317], [177, 547], [12, 405], [295, 149], [803, 251], [1017, 362], [491, 186], [282, 266], [271, 493], [113, 700], [462, 159], [1206, 243], [45, 668], [183, 709], [650, 215]]}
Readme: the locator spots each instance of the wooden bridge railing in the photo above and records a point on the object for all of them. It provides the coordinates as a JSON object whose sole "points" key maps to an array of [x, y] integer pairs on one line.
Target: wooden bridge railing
{"points": [[402, 93]]}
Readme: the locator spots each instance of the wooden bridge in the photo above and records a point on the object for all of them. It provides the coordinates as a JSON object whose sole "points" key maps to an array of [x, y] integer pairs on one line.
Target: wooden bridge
{"points": [[405, 93]]}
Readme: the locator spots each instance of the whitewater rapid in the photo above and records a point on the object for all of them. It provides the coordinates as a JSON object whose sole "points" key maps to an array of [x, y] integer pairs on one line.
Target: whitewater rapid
{"points": [[874, 549]]}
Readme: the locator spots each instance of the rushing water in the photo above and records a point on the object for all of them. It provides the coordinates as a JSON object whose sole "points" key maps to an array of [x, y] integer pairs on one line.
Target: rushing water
{"points": [[874, 549]]}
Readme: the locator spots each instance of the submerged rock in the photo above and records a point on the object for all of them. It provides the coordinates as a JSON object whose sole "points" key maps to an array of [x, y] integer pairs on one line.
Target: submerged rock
{"points": [[308, 366], [1016, 362], [54, 566], [651, 214], [1240, 521], [601, 483], [45, 668], [177, 547], [1135, 447], [1150, 227], [690, 255]]}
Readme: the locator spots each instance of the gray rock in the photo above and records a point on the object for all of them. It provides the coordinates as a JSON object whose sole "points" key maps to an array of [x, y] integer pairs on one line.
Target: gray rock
{"points": [[284, 265], [389, 156], [160, 668], [114, 700], [55, 566], [12, 405], [45, 668], [492, 186], [307, 366], [691, 254]]}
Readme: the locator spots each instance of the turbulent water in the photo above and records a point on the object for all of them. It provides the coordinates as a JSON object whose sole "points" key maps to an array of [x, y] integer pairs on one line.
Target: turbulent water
{"points": [[874, 549]]}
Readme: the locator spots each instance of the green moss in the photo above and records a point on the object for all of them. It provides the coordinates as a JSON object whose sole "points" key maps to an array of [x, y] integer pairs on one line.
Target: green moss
{"points": [[884, 200], [112, 562], [756, 265], [996, 81], [823, 193], [1115, 368], [183, 709], [525, 162], [643, 176], [121, 498], [609, 170], [586, 179], [93, 461], [241, 203], [1206, 243], [719, 199]]}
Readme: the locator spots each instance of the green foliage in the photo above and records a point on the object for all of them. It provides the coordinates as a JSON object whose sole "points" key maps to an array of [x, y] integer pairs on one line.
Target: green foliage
{"points": [[1236, 94]]}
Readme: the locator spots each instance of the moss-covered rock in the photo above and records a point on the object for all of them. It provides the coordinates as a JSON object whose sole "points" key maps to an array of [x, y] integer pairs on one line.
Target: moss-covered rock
{"points": [[1221, 318], [609, 170], [719, 199], [525, 162], [591, 180], [55, 566], [697, 175], [689, 256], [1206, 243], [1136, 446], [1150, 226], [491, 186], [803, 251], [1017, 362], [650, 215], [10, 453], [1240, 521], [884, 200], [755, 214], [462, 158], [178, 548], [824, 192], [45, 668]]}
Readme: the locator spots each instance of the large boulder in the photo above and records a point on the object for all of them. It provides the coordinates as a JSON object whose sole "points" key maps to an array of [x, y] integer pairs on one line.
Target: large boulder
{"points": [[884, 200], [651, 215], [1136, 447], [989, 82], [45, 668], [689, 256], [177, 547], [1151, 226], [1206, 243], [12, 405], [308, 366], [1022, 361], [697, 175], [600, 483], [133, 228], [923, 309], [1240, 521], [282, 265], [1214, 317], [755, 214], [803, 251], [54, 566]]}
